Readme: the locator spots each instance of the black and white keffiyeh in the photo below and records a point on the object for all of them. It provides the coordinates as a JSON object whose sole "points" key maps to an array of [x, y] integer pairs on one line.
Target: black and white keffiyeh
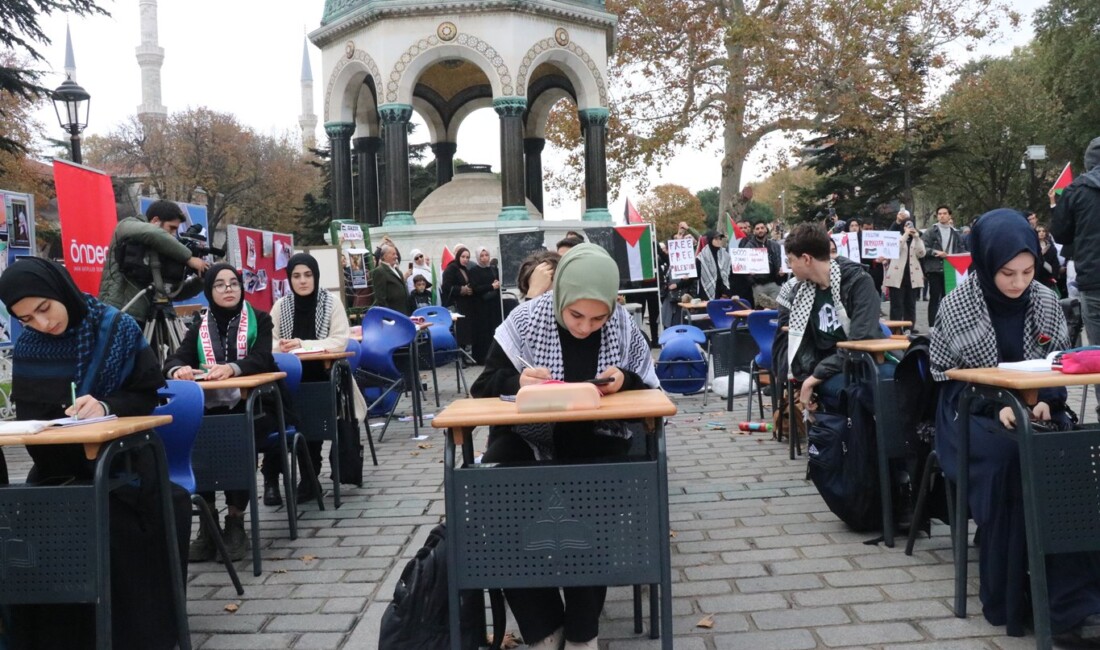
{"points": [[531, 333], [799, 299], [323, 317], [708, 270], [963, 335]]}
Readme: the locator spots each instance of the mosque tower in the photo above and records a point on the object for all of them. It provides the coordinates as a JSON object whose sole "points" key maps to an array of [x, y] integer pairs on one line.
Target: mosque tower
{"points": [[308, 119], [150, 57], [70, 60]]}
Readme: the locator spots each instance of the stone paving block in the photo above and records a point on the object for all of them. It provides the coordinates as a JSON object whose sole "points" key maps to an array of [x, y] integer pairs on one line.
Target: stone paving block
{"points": [[246, 641], [837, 596], [741, 603], [807, 617], [311, 623], [904, 611], [344, 605], [791, 567], [869, 634], [226, 622], [778, 640], [319, 641], [779, 583], [957, 628]]}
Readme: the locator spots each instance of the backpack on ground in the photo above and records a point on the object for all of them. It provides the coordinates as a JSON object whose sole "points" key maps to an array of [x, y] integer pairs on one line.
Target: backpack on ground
{"points": [[417, 619], [843, 461]]}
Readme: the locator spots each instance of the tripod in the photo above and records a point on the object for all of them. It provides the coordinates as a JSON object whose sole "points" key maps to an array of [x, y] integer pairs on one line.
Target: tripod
{"points": [[164, 330]]}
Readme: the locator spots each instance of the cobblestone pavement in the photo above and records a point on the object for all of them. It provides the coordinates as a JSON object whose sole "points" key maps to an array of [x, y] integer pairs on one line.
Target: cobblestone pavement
{"points": [[753, 547]]}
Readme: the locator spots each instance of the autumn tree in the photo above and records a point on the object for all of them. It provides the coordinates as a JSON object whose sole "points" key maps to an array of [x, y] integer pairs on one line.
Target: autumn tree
{"points": [[19, 172], [20, 32], [201, 155], [694, 72], [779, 189], [667, 205]]}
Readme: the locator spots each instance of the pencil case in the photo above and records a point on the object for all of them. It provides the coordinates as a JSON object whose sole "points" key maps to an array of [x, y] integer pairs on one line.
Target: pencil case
{"points": [[1082, 362], [557, 397]]}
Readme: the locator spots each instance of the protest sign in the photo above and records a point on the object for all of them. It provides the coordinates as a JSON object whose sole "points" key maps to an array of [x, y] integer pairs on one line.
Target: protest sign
{"points": [[881, 243], [749, 260], [681, 255]]}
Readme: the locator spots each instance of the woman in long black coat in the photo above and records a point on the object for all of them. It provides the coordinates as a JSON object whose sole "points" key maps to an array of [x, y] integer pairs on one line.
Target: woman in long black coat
{"points": [[485, 281], [459, 295]]}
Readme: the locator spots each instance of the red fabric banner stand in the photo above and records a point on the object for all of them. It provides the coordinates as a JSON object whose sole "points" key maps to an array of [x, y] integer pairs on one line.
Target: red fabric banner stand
{"points": [[86, 207]]}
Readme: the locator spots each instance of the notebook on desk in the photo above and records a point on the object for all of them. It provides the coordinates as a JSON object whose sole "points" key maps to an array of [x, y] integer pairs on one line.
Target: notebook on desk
{"points": [[23, 427]]}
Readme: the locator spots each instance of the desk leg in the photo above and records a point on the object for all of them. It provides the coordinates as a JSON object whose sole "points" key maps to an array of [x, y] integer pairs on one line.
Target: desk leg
{"points": [[451, 509], [336, 376], [665, 528], [961, 506], [414, 376], [175, 572], [103, 542], [870, 370]]}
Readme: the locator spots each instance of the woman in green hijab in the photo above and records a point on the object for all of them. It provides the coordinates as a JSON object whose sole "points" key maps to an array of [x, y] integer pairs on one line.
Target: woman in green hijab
{"points": [[575, 332]]}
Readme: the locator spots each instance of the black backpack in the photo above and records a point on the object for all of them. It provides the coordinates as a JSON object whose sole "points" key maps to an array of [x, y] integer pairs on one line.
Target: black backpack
{"points": [[417, 619], [843, 461]]}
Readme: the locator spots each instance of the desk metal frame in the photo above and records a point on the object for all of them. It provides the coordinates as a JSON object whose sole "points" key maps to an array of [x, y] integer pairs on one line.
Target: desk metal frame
{"points": [[1043, 536], [323, 405], [224, 458], [624, 503], [54, 569]]}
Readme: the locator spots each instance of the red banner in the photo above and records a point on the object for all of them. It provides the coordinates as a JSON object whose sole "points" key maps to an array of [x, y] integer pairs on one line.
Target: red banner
{"points": [[263, 265], [86, 207]]}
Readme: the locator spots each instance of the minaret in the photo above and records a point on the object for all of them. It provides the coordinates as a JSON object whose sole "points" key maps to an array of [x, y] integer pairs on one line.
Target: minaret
{"points": [[307, 120], [70, 60], [150, 57]]}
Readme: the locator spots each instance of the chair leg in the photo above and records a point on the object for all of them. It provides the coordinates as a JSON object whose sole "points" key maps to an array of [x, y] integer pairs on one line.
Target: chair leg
{"points": [[301, 452], [203, 510], [654, 613], [748, 397], [370, 442], [930, 463], [435, 382], [759, 394]]}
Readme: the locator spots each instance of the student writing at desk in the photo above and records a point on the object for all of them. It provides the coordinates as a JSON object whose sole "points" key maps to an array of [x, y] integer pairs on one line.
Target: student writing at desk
{"points": [[231, 339], [70, 337], [575, 332], [309, 318], [1000, 313]]}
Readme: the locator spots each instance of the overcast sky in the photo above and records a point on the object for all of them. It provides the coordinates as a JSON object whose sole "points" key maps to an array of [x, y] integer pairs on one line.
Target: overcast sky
{"points": [[244, 57]]}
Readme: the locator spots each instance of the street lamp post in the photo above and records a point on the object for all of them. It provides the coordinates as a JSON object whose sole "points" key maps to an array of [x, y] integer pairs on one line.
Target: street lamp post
{"points": [[1034, 152], [71, 103]]}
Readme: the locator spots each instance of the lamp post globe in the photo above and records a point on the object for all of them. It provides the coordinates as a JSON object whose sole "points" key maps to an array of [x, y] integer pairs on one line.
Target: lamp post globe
{"points": [[71, 103]]}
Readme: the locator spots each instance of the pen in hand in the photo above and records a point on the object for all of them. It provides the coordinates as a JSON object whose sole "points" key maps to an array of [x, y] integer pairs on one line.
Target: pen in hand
{"points": [[72, 388]]}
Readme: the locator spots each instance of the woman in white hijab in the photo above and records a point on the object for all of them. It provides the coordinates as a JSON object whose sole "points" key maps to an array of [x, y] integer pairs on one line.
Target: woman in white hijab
{"points": [[421, 265]]}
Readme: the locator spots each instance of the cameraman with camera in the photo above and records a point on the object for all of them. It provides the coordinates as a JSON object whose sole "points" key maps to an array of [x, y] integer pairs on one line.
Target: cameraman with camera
{"points": [[134, 246]]}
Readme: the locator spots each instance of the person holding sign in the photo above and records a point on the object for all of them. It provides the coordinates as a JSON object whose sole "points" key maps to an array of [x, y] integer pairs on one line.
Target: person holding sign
{"points": [[904, 275], [765, 286]]}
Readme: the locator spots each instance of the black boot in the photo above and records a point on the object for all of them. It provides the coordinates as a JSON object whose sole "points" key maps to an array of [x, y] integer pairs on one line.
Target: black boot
{"points": [[203, 548], [236, 540], [306, 491], [272, 496]]}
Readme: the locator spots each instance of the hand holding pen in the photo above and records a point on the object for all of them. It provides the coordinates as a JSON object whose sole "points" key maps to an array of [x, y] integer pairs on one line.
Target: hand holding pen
{"points": [[84, 407], [532, 375]]}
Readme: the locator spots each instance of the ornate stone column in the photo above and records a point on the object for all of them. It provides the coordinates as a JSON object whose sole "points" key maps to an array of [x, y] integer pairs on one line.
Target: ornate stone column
{"points": [[395, 134], [532, 153], [594, 128], [366, 157], [513, 198], [339, 135], [444, 162]]}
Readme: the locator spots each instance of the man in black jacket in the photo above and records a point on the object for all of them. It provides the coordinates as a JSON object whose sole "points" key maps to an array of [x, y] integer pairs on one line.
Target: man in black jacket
{"points": [[940, 240], [765, 286], [389, 284], [1076, 224]]}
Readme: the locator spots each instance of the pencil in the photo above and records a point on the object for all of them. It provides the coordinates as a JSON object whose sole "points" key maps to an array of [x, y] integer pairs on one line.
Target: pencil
{"points": [[72, 389], [525, 362]]}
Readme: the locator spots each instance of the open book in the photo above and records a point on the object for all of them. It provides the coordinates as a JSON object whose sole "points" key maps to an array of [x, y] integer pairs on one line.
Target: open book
{"points": [[1031, 365], [22, 427]]}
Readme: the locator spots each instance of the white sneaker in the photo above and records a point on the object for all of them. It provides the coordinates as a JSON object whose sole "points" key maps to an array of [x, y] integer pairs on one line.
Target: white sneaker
{"points": [[552, 642], [594, 644]]}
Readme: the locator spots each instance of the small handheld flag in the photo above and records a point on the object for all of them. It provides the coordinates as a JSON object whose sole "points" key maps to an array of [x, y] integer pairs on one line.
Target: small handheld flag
{"points": [[631, 213], [1064, 179]]}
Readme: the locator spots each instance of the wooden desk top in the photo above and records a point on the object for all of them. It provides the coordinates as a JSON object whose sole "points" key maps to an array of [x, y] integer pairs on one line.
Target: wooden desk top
{"points": [[92, 436], [1020, 380], [248, 381], [694, 305], [740, 313], [897, 324], [634, 404], [324, 355], [874, 345]]}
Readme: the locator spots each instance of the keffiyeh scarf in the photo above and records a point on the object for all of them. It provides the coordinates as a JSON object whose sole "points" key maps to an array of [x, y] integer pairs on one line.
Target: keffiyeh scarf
{"points": [[322, 320], [531, 333], [708, 270], [800, 299], [963, 335]]}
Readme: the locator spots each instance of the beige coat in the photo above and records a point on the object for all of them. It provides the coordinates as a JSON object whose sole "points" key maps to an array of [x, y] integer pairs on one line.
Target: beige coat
{"points": [[895, 270], [337, 341]]}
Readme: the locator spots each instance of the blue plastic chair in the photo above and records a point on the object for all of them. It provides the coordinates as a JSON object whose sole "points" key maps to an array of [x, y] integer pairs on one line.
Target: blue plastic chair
{"points": [[682, 366], [384, 332], [292, 366], [886, 330], [716, 310], [692, 332], [762, 326], [354, 346], [445, 348], [184, 401]]}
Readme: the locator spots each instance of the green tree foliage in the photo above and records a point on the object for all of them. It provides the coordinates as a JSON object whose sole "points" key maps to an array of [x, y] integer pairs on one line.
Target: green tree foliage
{"points": [[757, 212], [21, 33], [708, 198], [315, 212], [1067, 47], [995, 110], [667, 205]]}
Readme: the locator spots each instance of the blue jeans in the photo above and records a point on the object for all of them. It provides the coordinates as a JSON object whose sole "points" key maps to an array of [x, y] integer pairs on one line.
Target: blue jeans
{"points": [[828, 391], [1090, 313]]}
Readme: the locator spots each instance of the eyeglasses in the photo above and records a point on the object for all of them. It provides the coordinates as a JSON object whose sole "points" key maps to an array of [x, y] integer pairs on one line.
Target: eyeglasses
{"points": [[227, 286], [419, 257]]}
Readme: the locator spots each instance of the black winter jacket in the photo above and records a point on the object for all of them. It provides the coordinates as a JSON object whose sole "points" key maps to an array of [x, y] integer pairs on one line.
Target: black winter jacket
{"points": [[1076, 221]]}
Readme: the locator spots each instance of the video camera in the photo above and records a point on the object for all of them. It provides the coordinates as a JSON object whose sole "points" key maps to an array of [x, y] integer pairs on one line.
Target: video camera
{"points": [[195, 242]]}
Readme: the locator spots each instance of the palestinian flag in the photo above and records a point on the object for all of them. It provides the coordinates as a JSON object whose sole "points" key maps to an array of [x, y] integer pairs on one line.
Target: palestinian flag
{"points": [[634, 252], [444, 260], [955, 269], [733, 233], [631, 213], [435, 286], [1064, 179]]}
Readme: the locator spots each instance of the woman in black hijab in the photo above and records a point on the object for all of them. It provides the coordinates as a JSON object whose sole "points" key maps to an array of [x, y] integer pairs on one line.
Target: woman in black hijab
{"points": [[72, 338], [229, 339], [1000, 313], [714, 267], [458, 295]]}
